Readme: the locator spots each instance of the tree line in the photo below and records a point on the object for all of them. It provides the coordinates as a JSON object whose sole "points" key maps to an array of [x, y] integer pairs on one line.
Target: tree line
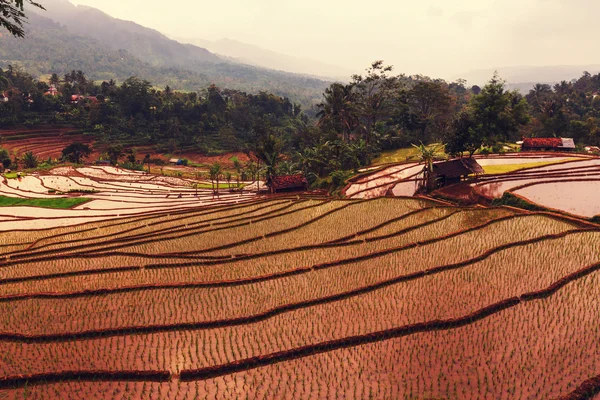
{"points": [[354, 122]]}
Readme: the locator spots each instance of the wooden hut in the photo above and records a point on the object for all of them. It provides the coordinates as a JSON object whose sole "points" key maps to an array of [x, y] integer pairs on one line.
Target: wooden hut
{"points": [[453, 171], [287, 183]]}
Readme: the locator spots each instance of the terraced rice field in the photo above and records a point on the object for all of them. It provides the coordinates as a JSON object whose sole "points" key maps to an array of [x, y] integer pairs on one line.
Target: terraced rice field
{"points": [[301, 297], [100, 193], [558, 182]]}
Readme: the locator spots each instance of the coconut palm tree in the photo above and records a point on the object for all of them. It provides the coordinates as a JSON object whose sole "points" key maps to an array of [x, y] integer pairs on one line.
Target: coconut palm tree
{"points": [[227, 176], [30, 160], [288, 168], [338, 109], [269, 151], [237, 165], [215, 173]]}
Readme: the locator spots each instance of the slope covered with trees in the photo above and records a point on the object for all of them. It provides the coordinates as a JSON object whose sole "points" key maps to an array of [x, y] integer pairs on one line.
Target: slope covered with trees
{"points": [[50, 47], [376, 111]]}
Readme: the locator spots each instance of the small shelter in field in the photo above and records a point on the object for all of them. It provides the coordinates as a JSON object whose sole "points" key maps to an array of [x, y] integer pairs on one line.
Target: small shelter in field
{"points": [[287, 183], [176, 161], [548, 144], [453, 171]]}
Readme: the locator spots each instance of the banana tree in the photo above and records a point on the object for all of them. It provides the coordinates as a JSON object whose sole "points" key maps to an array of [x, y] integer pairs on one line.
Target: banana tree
{"points": [[427, 155]]}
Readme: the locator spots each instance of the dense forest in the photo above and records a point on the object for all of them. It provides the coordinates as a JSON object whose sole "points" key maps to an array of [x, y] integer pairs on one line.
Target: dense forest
{"points": [[377, 110], [50, 47]]}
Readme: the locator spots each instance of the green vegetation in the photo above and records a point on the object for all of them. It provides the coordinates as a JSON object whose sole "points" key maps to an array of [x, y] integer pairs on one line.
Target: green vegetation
{"points": [[144, 54], [509, 199], [400, 155], [376, 117], [221, 185], [12, 175], [12, 15], [62, 203], [502, 169]]}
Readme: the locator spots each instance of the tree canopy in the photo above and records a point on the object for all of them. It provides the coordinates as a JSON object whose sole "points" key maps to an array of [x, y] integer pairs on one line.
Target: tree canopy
{"points": [[12, 15], [75, 152]]}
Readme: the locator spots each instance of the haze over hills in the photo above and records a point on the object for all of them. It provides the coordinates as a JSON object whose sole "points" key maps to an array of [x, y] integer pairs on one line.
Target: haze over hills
{"points": [[67, 37], [144, 43], [524, 78], [258, 56], [106, 47]]}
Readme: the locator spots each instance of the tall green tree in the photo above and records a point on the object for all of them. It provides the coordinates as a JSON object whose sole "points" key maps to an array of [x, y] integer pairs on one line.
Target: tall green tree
{"points": [[430, 102], [373, 94], [237, 165], [30, 160], [114, 152], [215, 172], [270, 152], [497, 113], [338, 110], [75, 152], [463, 135]]}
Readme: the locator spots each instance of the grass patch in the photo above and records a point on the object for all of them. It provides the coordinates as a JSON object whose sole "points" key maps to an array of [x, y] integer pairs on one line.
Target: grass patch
{"points": [[221, 185], [400, 155], [61, 203], [12, 175], [509, 199], [503, 169]]}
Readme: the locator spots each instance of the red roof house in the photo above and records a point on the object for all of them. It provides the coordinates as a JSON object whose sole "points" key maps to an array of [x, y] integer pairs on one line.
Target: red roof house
{"points": [[548, 144]]}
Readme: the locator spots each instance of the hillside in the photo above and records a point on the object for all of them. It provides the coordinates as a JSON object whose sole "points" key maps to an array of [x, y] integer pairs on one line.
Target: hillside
{"points": [[144, 43], [258, 56], [52, 47]]}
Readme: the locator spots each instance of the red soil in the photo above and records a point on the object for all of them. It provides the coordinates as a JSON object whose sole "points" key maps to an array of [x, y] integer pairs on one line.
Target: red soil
{"points": [[48, 142]]}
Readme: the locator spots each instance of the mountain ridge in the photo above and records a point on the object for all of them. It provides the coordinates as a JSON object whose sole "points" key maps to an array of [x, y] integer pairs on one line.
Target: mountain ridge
{"points": [[54, 46], [259, 56]]}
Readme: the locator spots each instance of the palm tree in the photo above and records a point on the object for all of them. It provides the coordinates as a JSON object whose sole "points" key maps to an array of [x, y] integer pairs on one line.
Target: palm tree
{"points": [[252, 170], [215, 173], [30, 160], [338, 109], [238, 169], [198, 175], [228, 179], [269, 151], [54, 79], [289, 168], [427, 155], [147, 161]]}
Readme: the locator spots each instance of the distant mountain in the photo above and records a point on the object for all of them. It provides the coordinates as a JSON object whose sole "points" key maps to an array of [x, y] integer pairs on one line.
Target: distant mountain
{"points": [[144, 43], [524, 78], [255, 55], [49, 48], [67, 37]]}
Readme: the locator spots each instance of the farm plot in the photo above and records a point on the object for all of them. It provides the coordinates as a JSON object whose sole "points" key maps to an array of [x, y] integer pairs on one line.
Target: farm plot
{"points": [[103, 193], [575, 197], [302, 298], [402, 232]]}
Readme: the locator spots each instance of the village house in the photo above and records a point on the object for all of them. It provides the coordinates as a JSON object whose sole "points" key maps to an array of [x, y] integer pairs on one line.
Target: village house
{"points": [[52, 91], [287, 183], [548, 144]]}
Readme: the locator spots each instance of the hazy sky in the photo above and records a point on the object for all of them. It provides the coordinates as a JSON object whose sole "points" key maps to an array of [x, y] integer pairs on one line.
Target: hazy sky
{"points": [[440, 38]]}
